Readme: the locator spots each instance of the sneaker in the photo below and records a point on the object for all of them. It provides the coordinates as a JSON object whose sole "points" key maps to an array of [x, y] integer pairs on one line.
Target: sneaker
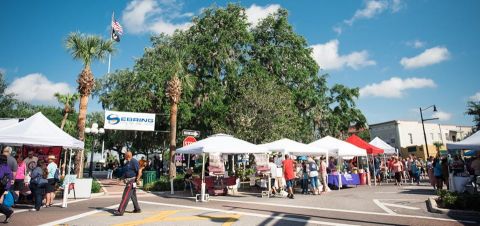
{"points": [[291, 196], [33, 209], [7, 217], [137, 211], [117, 213]]}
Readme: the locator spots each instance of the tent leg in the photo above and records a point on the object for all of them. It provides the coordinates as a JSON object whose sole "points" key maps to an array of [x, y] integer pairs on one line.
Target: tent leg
{"points": [[202, 190], [67, 185]]}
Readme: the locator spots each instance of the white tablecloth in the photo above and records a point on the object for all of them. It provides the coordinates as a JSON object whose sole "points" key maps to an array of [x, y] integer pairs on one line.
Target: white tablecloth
{"points": [[458, 183]]}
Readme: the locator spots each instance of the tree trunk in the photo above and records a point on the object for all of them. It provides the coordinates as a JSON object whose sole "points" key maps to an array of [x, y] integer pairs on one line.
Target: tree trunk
{"points": [[173, 139], [64, 120], [82, 116]]}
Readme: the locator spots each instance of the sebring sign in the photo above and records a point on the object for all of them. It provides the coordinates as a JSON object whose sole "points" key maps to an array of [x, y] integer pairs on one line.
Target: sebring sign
{"points": [[129, 121]]}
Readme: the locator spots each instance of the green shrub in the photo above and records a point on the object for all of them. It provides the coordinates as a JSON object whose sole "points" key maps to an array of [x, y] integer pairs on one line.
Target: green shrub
{"points": [[96, 187], [163, 184], [453, 200]]}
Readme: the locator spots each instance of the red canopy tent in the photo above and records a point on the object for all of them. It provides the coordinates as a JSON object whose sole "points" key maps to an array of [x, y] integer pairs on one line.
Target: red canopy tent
{"points": [[357, 141]]}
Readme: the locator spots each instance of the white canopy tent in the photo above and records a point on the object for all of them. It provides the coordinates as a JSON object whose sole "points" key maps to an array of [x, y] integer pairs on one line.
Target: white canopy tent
{"points": [[292, 147], [472, 142], [38, 131], [339, 148], [218, 143], [7, 123], [388, 150]]}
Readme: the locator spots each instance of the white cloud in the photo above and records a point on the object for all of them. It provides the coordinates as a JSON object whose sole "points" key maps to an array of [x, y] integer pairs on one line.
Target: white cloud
{"points": [[338, 30], [397, 5], [395, 87], [327, 57], [475, 97], [428, 57], [36, 87], [372, 8], [256, 13], [442, 116], [417, 44], [142, 16]]}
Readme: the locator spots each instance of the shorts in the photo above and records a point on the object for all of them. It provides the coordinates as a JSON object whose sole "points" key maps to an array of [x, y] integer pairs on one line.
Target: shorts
{"points": [[290, 183], [439, 177], [398, 177], [18, 185], [314, 182], [272, 182], [50, 186]]}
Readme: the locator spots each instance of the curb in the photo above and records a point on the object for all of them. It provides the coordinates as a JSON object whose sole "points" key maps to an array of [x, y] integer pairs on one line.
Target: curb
{"points": [[433, 207], [97, 194]]}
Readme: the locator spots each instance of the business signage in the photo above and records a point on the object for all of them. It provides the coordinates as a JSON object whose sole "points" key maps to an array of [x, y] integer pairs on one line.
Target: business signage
{"points": [[118, 120]]}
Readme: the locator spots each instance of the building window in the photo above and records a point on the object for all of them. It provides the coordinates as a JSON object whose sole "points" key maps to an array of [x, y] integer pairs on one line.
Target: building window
{"points": [[431, 134], [440, 137], [446, 136], [411, 138]]}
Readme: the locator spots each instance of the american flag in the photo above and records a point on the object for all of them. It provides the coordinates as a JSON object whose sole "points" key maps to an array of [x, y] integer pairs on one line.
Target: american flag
{"points": [[117, 27]]}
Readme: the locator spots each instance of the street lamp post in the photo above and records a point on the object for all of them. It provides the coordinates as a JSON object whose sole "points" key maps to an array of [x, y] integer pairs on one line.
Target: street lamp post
{"points": [[423, 125], [94, 131]]}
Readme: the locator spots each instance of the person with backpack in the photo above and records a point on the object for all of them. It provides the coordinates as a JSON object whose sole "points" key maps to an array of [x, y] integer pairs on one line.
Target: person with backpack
{"points": [[38, 183], [313, 175], [6, 178], [132, 174], [52, 178]]}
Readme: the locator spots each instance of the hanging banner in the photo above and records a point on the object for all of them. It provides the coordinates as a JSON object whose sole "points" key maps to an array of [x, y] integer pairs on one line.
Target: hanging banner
{"points": [[118, 120]]}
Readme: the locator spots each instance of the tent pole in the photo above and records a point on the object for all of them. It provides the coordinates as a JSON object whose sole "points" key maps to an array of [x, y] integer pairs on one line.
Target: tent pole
{"points": [[368, 171], [202, 192], [374, 173], [67, 185]]}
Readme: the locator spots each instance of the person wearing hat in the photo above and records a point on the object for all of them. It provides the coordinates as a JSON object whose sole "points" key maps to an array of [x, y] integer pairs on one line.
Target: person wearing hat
{"points": [[50, 189]]}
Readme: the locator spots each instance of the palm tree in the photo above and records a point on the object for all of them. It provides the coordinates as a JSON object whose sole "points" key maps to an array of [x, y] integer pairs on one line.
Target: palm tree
{"points": [[68, 100], [179, 78], [86, 48]]}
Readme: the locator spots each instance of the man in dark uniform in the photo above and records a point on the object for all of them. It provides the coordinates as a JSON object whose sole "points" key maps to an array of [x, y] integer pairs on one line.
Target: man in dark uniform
{"points": [[132, 174]]}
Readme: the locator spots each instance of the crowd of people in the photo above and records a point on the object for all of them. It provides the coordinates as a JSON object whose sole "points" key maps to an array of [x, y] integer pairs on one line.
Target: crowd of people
{"points": [[30, 179]]}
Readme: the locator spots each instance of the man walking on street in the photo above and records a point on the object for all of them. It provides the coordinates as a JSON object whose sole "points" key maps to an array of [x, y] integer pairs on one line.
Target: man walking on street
{"points": [[289, 174], [132, 174]]}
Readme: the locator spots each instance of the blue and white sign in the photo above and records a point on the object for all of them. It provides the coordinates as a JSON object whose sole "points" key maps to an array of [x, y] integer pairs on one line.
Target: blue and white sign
{"points": [[118, 120]]}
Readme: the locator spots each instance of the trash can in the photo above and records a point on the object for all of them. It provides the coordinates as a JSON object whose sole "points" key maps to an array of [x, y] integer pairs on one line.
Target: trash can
{"points": [[363, 178], [149, 177]]}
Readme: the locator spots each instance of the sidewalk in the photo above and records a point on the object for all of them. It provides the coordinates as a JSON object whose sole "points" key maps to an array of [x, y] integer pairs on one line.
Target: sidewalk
{"points": [[113, 187]]}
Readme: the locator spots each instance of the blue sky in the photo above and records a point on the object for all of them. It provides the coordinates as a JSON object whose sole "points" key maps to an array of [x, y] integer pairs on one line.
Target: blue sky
{"points": [[402, 54]]}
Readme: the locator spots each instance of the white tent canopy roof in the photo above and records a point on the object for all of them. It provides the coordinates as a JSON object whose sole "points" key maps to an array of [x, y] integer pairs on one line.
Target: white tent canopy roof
{"points": [[4, 123], [339, 148], [472, 142], [221, 143], [288, 146], [379, 143], [38, 131]]}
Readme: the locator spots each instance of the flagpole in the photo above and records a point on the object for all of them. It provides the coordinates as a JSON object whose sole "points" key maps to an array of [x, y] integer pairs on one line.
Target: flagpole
{"points": [[109, 54]]}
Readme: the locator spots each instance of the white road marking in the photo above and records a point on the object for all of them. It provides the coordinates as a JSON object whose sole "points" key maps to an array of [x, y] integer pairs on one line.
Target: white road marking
{"points": [[340, 210], [247, 214], [386, 192], [401, 206], [379, 204], [76, 217]]}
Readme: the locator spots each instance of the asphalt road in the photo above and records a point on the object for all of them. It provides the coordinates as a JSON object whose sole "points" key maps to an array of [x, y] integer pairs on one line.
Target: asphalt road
{"points": [[381, 205]]}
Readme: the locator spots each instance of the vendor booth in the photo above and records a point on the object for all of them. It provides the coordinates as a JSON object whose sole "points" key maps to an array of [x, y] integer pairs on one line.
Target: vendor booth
{"points": [[371, 150], [291, 147], [341, 150], [388, 150], [218, 144], [39, 133], [458, 181]]}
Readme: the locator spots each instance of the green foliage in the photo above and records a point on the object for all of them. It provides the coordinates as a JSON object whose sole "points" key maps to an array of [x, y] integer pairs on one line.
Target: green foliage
{"points": [[88, 48], [473, 109], [96, 187], [163, 184], [259, 84], [243, 174], [453, 200]]}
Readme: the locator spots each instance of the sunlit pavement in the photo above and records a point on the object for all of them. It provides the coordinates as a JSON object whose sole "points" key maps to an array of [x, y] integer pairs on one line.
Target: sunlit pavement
{"points": [[363, 205]]}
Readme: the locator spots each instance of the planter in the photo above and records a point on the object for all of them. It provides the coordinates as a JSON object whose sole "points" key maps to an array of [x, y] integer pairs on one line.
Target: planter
{"points": [[82, 188]]}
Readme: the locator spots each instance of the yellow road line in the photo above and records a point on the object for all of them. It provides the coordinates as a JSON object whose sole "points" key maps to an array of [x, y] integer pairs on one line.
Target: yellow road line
{"points": [[156, 218], [226, 217]]}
